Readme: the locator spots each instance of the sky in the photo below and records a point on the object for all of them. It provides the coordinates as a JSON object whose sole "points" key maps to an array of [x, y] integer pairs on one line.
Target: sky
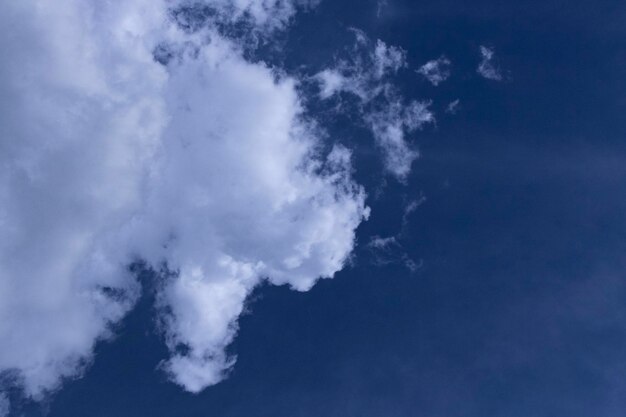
{"points": [[301, 208]]}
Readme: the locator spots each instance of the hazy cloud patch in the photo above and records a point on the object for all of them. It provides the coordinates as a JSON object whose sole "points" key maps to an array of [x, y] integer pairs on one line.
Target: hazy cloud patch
{"points": [[487, 67], [437, 70], [453, 106]]}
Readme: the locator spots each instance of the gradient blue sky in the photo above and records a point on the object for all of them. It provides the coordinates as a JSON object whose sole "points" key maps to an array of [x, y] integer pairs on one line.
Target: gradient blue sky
{"points": [[518, 306]]}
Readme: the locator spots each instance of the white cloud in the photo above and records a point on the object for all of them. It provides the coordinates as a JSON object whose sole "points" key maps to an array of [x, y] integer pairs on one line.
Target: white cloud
{"points": [[390, 127], [387, 59], [107, 157], [487, 68], [366, 75], [241, 190], [331, 82], [378, 242], [436, 71], [81, 117]]}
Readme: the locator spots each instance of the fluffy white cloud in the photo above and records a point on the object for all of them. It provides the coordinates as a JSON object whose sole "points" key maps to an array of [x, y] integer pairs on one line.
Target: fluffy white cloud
{"points": [[436, 71], [366, 75], [241, 195], [107, 157], [487, 68], [81, 116]]}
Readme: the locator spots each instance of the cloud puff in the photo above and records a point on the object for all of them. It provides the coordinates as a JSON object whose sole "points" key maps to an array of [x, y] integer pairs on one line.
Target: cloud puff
{"points": [[436, 71], [241, 195], [487, 68], [204, 166], [366, 75], [82, 114]]}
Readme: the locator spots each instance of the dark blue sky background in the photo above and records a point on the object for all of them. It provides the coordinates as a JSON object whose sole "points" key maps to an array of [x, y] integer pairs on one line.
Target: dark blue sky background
{"points": [[519, 308]]}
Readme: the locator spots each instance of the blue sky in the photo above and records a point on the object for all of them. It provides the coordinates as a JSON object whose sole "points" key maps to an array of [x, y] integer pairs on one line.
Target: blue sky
{"points": [[484, 278]]}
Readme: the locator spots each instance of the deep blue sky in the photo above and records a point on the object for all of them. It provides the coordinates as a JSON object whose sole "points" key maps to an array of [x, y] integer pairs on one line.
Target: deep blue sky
{"points": [[519, 308]]}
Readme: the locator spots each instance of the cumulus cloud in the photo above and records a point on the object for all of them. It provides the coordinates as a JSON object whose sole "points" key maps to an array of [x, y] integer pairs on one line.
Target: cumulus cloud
{"points": [[487, 68], [436, 71], [204, 166], [240, 171], [366, 74], [81, 118]]}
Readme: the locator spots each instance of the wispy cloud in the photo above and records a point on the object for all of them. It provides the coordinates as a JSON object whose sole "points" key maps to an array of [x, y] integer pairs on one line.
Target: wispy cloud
{"points": [[390, 250], [381, 5], [436, 71], [366, 74], [487, 67], [453, 106]]}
